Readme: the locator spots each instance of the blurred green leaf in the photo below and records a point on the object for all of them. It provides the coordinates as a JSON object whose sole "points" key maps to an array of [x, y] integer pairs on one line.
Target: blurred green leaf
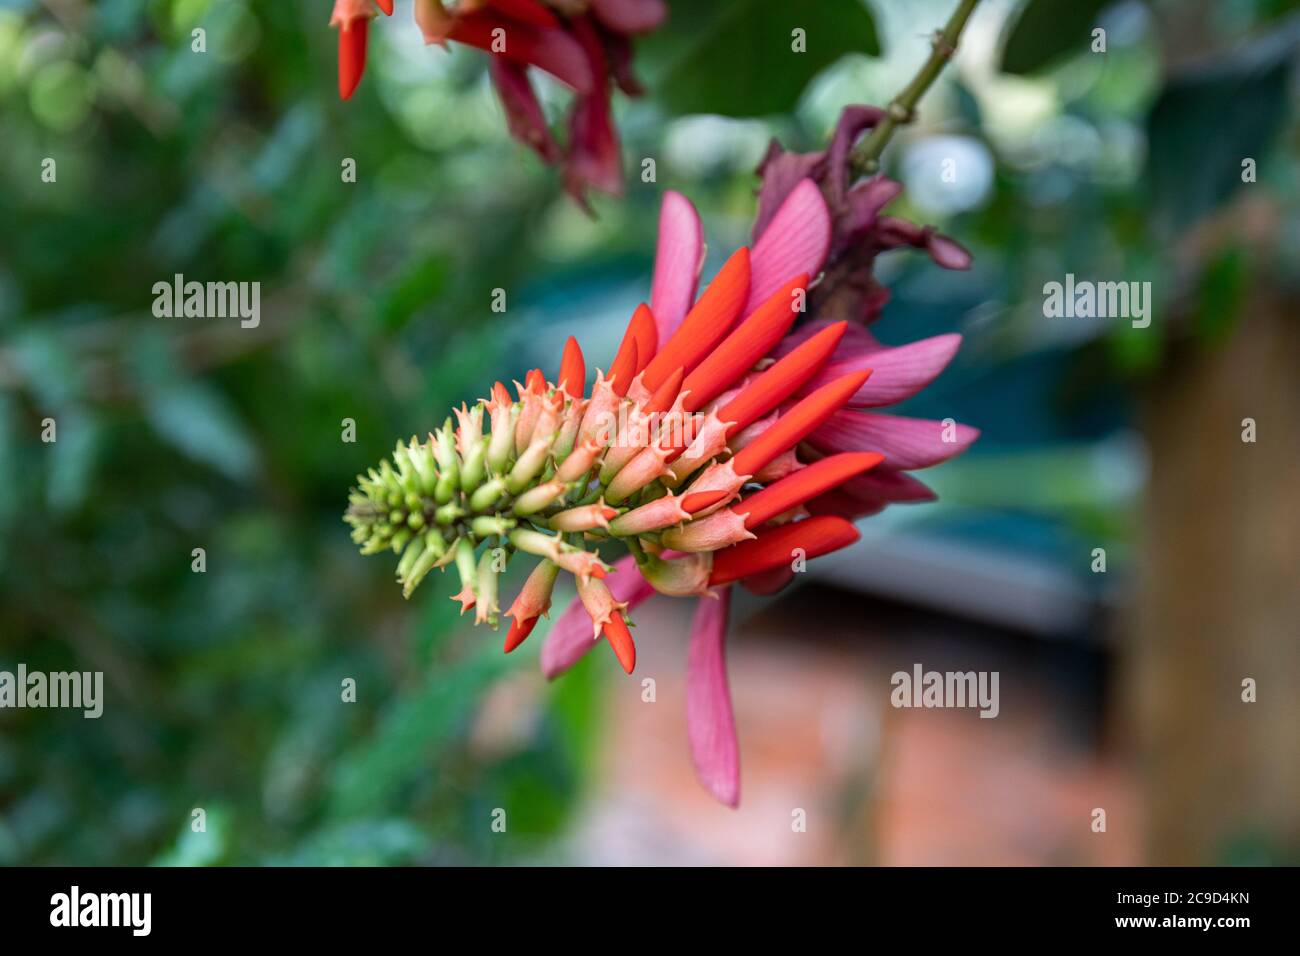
{"points": [[360, 843], [413, 732], [740, 61], [420, 283], [1046, 30], [72, 459], [1221, 292], [1207, 121], [199, 848], [200, 422]]}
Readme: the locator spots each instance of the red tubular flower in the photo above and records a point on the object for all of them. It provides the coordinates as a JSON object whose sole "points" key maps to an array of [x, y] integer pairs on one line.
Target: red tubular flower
{"points": [[778, 546], [706, 324], [623, 368], [663, 397], [573, 370], [782, 380], [352, 19], [796, 424], [589, 50], [620, 638], [722, 445], [803, 485], [747, 343]]}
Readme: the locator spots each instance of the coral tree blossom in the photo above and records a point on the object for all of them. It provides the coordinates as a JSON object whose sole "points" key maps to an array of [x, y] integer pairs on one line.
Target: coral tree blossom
{"points": [[730, 433], [585, 44]]}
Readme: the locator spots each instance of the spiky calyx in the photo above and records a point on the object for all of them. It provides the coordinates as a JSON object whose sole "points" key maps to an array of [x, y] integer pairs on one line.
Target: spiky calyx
{"points": [[656, 457]]}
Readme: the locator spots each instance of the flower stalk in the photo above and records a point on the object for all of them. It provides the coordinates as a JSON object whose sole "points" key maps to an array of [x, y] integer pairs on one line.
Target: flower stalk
{"points": [[901, 110]]}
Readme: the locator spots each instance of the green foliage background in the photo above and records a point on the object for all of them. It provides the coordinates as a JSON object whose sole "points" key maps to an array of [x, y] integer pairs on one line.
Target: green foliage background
{"points": [[224, 687]]}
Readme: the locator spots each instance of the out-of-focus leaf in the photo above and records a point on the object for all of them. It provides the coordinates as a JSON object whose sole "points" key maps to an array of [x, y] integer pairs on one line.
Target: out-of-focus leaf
{"points": [[72, 459], [741, 61], [413, 732], [363, 843], [49, 367], [9, 465], [1208, 120], [1221, 293], [199, 847], [1048, 29], [420, 283], [200, 422]]}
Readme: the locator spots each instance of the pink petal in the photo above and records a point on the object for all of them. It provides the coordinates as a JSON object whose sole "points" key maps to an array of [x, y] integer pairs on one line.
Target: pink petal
{"points": [[896, 373], [678, 260], [524, 115], [856, 339], [561, 56], [710, 725], [853, 122], [795, 241], [570, 636], [892, 232], [781, 172], [769, 582], [629, 16], [880, 486], [862, 206], [906, 443], [555, 51], [869, 494], [594, 156], [947, 252]]}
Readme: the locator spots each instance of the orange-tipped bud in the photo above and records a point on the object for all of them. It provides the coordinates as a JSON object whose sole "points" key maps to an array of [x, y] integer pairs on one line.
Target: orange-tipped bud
{"points": [[386, 6], [623, 369], [573, 370], [646, 332], [620, 638], [706, 324], [352, 54], [535, 381], [782, 380], [533, 601], [792, 427], [804, 485], [519, 631], [776, 547], [665, 394], [583, 518], [606, 615], [747, 343], [641, 330]]}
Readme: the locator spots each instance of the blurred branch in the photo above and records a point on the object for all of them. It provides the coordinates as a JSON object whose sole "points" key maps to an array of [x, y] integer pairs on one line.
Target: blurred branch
{"points": [[902, 108]]}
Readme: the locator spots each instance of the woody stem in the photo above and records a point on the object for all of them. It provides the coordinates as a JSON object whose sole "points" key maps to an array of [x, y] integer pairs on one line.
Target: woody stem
{"points": [[902, 108]]}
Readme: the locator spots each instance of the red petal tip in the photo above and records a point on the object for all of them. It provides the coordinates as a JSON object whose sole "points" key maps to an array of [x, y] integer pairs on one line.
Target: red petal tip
{"points": [[620, 638], [519, 631]]}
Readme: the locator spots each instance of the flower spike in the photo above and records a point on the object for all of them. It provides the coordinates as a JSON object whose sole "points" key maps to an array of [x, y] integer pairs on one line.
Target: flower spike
{"points": [[716, 450]]}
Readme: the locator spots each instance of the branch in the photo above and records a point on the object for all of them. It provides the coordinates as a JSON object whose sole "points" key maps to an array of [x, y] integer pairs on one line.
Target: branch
{"points": [[902, 108]]}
